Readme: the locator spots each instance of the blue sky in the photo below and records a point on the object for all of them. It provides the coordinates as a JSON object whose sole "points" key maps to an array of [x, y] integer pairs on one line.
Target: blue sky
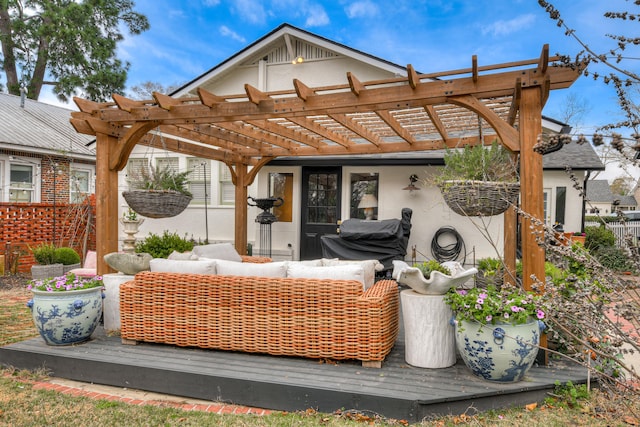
{"points": [[188, 38]]}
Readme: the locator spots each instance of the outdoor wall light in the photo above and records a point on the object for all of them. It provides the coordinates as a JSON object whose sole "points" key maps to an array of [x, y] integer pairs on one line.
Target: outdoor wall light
{"points": [[298, 60], [412, 184]]}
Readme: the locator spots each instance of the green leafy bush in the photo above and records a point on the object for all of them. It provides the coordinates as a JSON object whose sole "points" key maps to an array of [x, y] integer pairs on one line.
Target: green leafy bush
{"points": [[162, 246], [44, 253], [432, 265], [598, 237], [66, 256], [614, 259]]}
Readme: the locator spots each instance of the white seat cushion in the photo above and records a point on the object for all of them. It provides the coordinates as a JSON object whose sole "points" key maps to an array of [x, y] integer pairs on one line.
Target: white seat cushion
{"points": [[267, 269], [369, 266], [224, 251], [202, 266], [338, 272]]}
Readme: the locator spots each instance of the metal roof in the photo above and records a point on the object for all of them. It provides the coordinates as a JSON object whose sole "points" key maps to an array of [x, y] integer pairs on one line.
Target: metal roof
{"points": [[41, 128]]}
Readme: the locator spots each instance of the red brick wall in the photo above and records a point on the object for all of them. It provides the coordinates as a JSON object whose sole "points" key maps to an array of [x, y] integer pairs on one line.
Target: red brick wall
{"points": [[24, 225]]}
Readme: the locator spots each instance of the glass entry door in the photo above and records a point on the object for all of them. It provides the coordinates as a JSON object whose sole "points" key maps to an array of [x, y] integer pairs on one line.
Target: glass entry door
{"points": [[320, 210]]}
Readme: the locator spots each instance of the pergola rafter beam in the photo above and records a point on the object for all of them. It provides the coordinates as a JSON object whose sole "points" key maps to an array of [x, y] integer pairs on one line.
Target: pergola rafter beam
{"points": [[350, 124], [435, 119], [388, 118], [314, 127]]}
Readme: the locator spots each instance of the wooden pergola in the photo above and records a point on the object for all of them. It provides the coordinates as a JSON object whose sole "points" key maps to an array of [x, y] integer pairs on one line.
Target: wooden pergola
{"points": [[413, 113]]}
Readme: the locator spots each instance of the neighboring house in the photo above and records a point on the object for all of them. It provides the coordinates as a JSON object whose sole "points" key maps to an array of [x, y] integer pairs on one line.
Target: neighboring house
{"points": [[601, 200], [46, 169], [272, 63]]}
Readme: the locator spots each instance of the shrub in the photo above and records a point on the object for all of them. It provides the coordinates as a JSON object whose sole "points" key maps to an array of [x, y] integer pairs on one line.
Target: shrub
{"points": [[614, 258], [598, 237], [162, 246], [66, 256], [44, 253], [432, 265]]}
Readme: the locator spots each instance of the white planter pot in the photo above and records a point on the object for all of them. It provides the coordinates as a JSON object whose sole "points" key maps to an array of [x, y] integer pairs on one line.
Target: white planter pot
{"points": [[428, 335], [500, 352]]}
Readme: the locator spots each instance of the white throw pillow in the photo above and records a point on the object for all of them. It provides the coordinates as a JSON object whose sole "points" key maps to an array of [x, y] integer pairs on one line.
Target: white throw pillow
{"points": [[203, 266], [184, 256], [217, 251], [267, 269], [341, 272], [308, 262], [369, 266]]}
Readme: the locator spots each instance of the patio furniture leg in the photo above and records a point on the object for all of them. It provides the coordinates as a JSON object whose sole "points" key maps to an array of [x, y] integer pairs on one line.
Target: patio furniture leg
{"points": [[372, 364]]}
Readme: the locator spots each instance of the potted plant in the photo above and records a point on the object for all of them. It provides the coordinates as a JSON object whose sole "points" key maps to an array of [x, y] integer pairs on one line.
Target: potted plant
{"points": [[158, 193], [66, 309], [44, 255], [432, 277], [68, 257], [497, 330], [479, 181], [131, 221]]}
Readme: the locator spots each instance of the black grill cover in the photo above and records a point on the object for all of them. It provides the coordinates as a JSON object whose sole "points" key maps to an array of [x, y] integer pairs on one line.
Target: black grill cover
{"points": [[359, 239]]}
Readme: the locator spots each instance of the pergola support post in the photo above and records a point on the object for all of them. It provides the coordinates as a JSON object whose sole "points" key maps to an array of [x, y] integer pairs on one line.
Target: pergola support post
{"points": [[531, 187], [106, 202], [531, 190], [241, 208]]}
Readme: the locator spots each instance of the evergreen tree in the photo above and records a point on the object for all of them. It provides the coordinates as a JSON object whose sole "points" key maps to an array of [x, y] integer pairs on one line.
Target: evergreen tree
{"points": [[68, 44]]}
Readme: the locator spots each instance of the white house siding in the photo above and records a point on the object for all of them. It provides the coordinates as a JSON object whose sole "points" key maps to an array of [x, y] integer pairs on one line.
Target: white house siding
{"points": [[430, 212], [573, 206]]}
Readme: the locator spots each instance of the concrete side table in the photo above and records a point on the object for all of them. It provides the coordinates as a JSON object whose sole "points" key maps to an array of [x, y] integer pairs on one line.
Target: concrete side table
{"points": [[111, 303], [429, 337]]}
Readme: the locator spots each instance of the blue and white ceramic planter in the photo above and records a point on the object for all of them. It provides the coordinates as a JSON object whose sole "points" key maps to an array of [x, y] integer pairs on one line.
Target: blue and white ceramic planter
{"points": [[64, 318], [500, 352]]}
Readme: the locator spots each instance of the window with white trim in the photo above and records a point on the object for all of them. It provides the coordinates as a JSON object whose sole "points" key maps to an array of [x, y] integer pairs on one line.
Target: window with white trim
{"points": [[199, 179], [79, 185], [136, 168], [171, 163], [227, 189], [21, 183]]}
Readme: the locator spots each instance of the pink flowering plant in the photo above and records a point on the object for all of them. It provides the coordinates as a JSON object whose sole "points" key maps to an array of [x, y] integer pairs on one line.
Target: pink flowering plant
{"points": [[491, 305], [69, 282]]}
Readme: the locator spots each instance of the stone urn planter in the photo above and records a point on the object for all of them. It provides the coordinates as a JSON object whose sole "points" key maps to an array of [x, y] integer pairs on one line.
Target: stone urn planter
{"points": [[501, 352], [39, 271], [69, 317]]}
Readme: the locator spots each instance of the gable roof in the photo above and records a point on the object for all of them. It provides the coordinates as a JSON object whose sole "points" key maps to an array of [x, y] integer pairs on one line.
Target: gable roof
{"points": [[262, 48], [576, 156], [36, 127], [599, 191]]}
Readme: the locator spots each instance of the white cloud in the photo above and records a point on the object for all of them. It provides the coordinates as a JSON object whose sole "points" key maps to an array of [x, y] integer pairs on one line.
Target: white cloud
{"points": [[317, 16], [211, 3], [504, 28], [251, 10], [362, 9], [227, 32]]}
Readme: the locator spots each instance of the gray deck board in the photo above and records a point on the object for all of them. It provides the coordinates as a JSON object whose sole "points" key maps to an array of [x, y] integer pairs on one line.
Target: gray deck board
{"points": [[398, 390]]}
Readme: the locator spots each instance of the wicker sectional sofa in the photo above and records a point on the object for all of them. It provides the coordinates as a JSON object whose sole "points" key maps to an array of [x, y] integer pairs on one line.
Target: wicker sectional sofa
{"points": [[306, 317]]}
